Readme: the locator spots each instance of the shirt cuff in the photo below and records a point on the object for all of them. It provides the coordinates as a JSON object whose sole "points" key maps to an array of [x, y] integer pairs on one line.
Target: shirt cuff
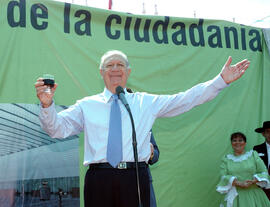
{"points": [[227, 188], [45, 111], [262, 182], [219, 83]]}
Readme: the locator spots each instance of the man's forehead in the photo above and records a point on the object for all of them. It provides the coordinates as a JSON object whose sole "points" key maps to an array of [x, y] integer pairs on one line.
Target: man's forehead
{"points": [[114, 58]]}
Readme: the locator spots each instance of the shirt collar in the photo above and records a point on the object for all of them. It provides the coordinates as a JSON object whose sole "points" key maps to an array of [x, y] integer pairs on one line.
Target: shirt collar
{"points": [[108, 94]]}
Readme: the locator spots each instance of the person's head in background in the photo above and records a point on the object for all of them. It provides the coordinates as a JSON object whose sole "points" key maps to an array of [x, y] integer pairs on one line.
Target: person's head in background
{"points": [[114, 69], [238, 141], [265, 131], [129, 90]]}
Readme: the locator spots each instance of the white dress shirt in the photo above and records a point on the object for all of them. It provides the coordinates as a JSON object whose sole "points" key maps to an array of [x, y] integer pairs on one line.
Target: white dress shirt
{"points": [[91, 115], [268, 153]]}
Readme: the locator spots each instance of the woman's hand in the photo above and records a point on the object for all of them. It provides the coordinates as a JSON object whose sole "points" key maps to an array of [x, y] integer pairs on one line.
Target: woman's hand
{"points": [[254, 181], [244, 184]]}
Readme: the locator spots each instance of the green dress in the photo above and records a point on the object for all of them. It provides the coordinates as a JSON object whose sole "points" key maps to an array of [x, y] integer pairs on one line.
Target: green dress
{"points": [[243, 167]]}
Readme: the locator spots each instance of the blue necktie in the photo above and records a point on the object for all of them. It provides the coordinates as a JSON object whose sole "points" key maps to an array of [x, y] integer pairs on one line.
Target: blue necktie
{"points": [[114, 147]]}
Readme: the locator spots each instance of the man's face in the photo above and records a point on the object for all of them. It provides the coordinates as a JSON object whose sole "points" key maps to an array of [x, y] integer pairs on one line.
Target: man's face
{"points": [[266, 135], [115, 74]]}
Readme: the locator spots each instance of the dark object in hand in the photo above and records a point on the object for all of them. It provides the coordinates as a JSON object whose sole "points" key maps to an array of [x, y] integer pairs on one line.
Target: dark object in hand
{"points": [[49, 82]]}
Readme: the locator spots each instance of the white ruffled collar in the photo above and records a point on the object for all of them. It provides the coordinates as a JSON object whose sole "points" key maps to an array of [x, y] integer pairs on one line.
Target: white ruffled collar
{"points": [[241, 157]]}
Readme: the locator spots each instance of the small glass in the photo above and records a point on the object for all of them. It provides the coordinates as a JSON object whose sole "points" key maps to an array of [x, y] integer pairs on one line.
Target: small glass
{"points": [[49, 82]]}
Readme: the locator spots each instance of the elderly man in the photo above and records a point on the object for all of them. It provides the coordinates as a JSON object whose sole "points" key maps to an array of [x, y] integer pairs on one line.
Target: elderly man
{"points": [[264, 148], [97, 115]]}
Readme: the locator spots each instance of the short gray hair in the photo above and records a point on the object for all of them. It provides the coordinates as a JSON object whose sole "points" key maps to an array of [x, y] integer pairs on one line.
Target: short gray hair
{"points": [[112, 55]]}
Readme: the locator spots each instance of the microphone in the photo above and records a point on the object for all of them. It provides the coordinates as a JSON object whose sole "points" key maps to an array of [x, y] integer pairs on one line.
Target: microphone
{"points": [[121, 95]]}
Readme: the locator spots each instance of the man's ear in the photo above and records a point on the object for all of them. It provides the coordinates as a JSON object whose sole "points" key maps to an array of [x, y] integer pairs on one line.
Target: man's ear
{"points": [[128, 71], [101, 72]]}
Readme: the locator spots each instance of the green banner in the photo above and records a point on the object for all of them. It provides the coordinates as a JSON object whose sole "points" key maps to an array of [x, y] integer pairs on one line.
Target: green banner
{"points": [[167, 55]]}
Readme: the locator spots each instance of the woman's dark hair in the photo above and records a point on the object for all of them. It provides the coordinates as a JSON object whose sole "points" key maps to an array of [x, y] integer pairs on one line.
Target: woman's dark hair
{"points": [[238, 134]]}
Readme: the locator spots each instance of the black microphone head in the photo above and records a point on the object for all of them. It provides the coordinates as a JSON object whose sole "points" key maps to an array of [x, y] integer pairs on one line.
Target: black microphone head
{"points": [[119, 90]]}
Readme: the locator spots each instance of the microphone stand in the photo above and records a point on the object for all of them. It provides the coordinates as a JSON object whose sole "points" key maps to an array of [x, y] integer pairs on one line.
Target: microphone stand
{"points": [[120, 92], [135, 152]]}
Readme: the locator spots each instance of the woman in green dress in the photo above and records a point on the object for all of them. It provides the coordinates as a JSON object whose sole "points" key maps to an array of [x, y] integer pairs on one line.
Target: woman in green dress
{"points": [[242, 175]]}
